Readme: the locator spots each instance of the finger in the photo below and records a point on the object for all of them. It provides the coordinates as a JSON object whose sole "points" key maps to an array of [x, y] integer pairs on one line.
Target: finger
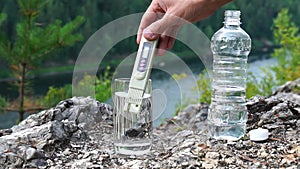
{"points": [[165, 42], [160, 52], [147, 19], [154, 30], [162, 46], [170, 43], [171, 34], [167, 39]]}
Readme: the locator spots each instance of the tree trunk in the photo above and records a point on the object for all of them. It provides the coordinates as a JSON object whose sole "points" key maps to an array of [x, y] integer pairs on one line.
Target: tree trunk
{"points": [[22, 92]]}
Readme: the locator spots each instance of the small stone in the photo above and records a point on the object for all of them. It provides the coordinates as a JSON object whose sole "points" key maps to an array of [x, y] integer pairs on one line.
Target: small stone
{"points": [[174, 165], [238, 145], [182, 134], [5, 132], [136, 165], [212, 155], [296, 150], [66, 151], [103, 156], [185, 163], [132, 132], [297, 109], [186, 143], [271, 126], [229, 160], [132, 164], [86, 155], [156, 165], [32, 153], [75, 145], [209, 163], [264, 154], [49, 162], [298, 123]]}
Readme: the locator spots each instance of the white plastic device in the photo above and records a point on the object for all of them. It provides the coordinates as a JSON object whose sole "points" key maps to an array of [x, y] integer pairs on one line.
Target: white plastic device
{"points": [[140, 75]]}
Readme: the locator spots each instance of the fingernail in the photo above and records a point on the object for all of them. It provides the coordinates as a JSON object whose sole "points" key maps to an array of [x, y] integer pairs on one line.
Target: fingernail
{"points": [[161, 52], [149, 34]]}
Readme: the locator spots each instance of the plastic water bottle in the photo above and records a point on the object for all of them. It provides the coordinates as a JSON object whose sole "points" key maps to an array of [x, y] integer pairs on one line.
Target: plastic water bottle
{"points": [[231, 46]]}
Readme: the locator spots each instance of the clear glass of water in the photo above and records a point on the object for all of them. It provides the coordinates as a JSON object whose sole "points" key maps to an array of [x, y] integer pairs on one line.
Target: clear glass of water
{"points": [[132, 131]]}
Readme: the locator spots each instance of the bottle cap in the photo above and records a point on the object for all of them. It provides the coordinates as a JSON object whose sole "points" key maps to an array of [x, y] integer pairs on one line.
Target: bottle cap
{"points": [[232, 17], [232, 13], [259, 134]]}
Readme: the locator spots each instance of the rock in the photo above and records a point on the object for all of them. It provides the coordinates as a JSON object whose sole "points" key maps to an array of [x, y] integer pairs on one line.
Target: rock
{"points": [[289, 87], [32, 153], [26, 144], [5, 132], [78, 133], [212, 155]]}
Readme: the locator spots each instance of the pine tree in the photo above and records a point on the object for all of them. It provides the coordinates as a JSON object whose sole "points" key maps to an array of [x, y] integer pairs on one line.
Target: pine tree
{"points": [[33, 42]]}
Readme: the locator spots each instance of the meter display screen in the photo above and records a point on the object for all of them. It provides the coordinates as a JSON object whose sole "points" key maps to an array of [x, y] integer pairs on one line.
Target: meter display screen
{"points": [[146, 51]]}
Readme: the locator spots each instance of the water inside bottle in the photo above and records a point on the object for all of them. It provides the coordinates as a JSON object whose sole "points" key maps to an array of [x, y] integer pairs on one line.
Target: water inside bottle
{"points": [[227, 113]]}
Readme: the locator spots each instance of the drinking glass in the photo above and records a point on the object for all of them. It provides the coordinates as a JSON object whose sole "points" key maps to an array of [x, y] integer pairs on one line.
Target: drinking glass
{"points": [[132, 131]]}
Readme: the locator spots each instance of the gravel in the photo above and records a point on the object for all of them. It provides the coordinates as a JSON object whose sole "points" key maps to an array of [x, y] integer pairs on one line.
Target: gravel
{"points": [[77, 133]]}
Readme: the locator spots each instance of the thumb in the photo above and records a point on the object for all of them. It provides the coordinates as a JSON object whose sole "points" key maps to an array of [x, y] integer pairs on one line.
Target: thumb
{"points": [[154, 30]]}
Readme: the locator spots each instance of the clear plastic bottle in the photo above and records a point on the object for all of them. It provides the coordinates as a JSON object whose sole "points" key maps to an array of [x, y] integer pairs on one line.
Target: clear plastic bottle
{"points": [[231, 46]]}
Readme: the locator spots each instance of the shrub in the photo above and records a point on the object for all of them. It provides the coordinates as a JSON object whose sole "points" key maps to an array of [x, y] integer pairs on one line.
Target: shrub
{"points": [[286, 34], [102, 87], [55, 95], [204, 87]]}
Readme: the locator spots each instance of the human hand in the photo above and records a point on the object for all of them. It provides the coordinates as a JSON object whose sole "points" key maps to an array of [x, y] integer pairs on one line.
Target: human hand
{"points": [[163, 19]]}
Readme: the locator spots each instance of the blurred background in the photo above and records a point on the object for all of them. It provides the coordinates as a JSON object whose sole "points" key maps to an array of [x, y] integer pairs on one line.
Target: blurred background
{"points": [[40, 42]]}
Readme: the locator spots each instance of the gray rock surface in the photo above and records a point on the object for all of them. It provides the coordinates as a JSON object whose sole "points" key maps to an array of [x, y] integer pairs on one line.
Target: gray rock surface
{"points": [[32, 142], [77, 133]]}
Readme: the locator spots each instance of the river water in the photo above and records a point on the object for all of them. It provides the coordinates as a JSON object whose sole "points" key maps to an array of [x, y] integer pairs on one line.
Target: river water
{"points": [[171, 93]]}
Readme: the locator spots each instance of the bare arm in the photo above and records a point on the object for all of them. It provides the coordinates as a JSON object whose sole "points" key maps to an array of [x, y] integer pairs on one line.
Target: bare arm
{"points": [[164, 17]]}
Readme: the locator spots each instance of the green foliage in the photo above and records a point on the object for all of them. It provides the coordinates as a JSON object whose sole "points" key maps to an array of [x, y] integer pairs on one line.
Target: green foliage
{"points": [[98, 13], [32, 45], [205, 88], [286, 34], [34, 41], [252, 88], [179, 76], [85, 85], [264, 87], [296, 89], [256, 22], [3, 103], [102, 85], [55, 95], [3, 17], [181, 105]]}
